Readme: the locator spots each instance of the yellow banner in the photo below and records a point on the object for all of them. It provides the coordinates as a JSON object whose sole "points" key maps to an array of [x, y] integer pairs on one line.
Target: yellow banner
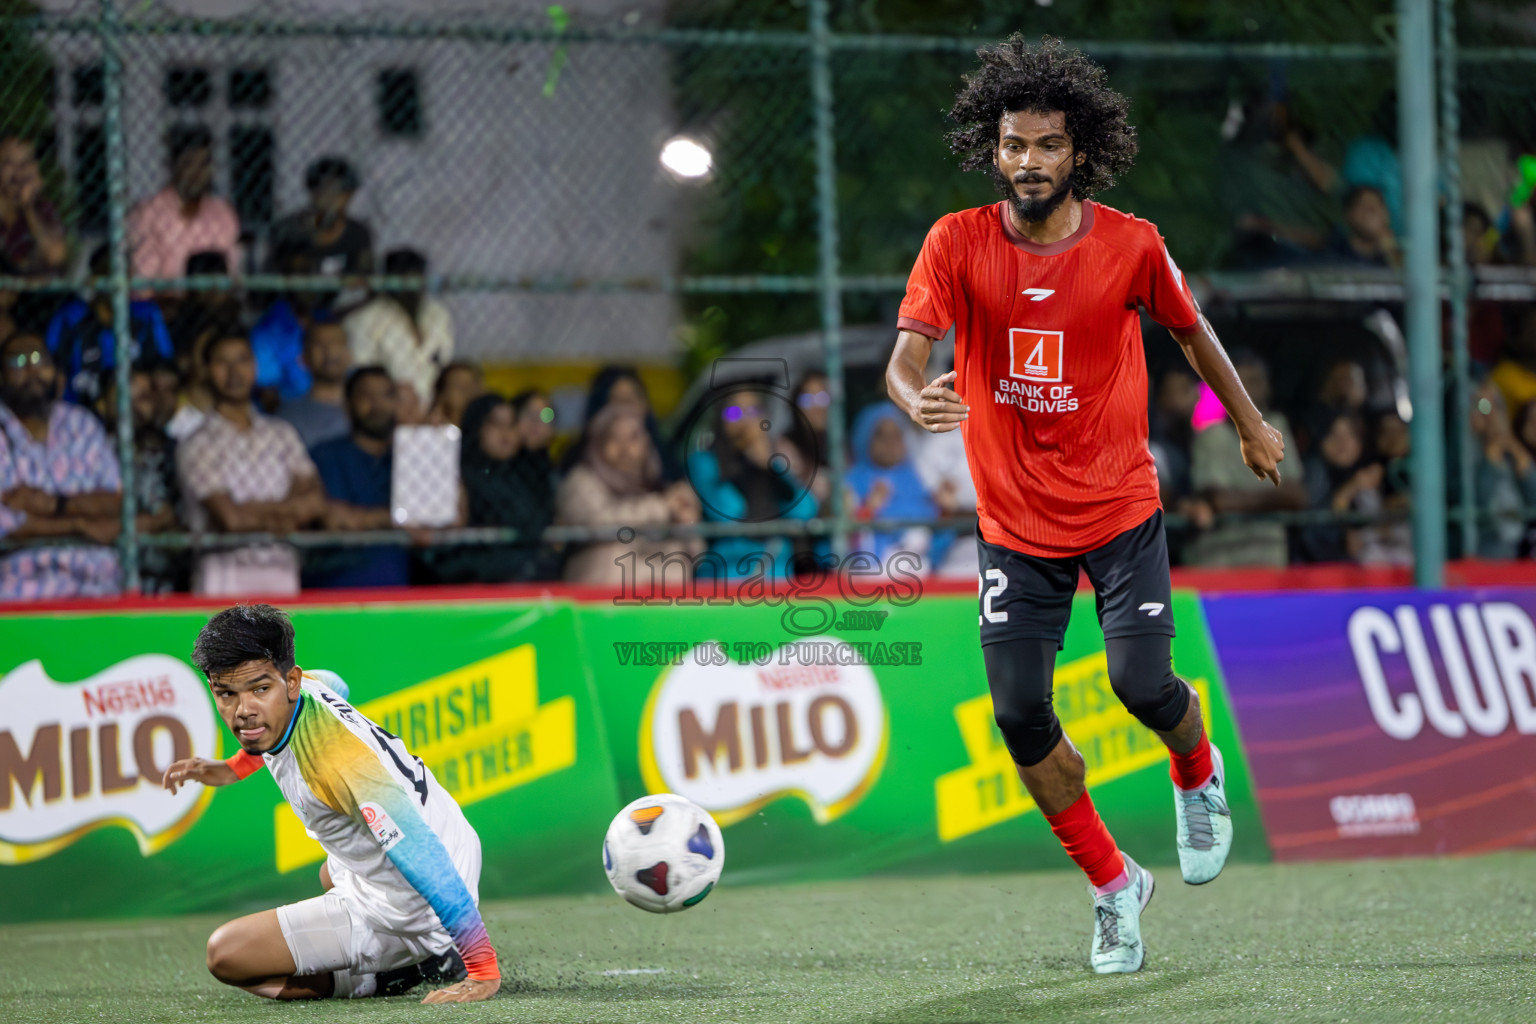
{"points": [[988, 791], [479, 728]]}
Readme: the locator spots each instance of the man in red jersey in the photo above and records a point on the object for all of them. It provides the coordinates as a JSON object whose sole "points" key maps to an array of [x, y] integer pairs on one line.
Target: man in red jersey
{"points": [[1050, 392]]}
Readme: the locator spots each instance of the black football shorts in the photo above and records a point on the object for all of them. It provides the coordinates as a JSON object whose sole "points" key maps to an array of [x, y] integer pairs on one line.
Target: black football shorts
{"points": [[1024, 597]]}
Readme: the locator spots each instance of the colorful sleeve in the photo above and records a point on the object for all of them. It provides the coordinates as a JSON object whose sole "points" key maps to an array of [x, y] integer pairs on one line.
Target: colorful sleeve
{"points": [[928, 307], [354, 782], [1164, 291], [245, 764]]}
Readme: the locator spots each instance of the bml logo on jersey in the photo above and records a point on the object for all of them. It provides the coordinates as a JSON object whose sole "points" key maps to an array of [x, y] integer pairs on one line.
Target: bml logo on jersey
{"points": [[1035, 355]]}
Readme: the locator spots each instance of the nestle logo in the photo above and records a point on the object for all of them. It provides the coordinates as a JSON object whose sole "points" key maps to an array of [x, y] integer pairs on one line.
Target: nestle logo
{"points": [[1386, 814], [129, 696]]}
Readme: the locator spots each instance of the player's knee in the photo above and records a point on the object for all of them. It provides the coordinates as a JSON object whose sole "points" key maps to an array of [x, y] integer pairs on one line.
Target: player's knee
{"points": [[1030, 731], [223, 956], [1141, 674]]}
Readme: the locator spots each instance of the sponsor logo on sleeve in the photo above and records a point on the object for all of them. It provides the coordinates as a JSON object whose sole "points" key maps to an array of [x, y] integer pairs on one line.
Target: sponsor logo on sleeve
{"points": [[381, 825]]}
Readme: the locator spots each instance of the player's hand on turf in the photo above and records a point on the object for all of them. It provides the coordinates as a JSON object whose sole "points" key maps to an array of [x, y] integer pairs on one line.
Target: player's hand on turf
{"points": [[1263, 451], [198, 769], [939, 409], [470, 990]]}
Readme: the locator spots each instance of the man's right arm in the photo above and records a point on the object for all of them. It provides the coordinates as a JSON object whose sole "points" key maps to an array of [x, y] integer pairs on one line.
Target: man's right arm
{"points": [[933, 405]]}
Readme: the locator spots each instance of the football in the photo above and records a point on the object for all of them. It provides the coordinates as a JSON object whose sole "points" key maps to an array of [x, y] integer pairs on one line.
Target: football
{"points": [[663, 853]]}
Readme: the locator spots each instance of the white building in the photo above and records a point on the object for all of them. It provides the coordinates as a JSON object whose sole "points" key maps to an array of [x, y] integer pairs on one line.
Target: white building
{"points": [[501, 181]]}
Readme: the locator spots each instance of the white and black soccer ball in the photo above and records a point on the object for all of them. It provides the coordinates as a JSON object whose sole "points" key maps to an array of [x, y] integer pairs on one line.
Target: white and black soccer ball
{"points": [[663, 853]]}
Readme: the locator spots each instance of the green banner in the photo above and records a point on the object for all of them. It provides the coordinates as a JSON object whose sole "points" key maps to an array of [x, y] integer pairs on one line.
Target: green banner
{"points": [[871, 746], [827, 738], [494, 698]]}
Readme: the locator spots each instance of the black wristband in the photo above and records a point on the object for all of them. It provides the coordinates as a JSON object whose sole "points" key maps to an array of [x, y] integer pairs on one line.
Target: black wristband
{"points": [[58, 507]]}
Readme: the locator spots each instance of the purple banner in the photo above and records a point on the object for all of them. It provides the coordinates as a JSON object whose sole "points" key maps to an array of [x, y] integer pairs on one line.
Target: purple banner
{"points": [[1387, 722]]}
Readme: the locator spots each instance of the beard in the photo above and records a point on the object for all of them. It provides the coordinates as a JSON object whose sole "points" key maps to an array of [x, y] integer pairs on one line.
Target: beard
{"points": [[1028, 209], [378, 428], [29, 402]]}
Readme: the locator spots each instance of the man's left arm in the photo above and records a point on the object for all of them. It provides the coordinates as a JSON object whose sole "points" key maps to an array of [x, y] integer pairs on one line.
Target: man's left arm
{"points": [[1263, 447], [1163, 289]]}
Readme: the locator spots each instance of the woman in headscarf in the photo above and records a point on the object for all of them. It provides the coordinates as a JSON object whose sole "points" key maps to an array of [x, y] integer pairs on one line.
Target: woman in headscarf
{"points": [[617, 484], [883, 483], [621, 385], [458, 384], [502, 489], [741, 479]]}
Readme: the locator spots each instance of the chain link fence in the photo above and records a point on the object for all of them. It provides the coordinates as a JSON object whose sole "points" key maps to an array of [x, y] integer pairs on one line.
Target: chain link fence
{"points": [[677, 183]]}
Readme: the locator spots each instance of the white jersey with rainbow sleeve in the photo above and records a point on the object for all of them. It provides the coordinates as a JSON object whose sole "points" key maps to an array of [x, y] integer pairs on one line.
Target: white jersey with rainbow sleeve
{"points": [[400, 849]]}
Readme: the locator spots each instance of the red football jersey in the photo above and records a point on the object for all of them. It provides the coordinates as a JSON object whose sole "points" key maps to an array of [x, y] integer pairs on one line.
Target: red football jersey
{"points": [[1049, 358]]}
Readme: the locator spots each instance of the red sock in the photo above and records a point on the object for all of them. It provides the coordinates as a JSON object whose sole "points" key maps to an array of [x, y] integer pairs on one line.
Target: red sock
{"points": [[1087, 841], [1194, 769]]}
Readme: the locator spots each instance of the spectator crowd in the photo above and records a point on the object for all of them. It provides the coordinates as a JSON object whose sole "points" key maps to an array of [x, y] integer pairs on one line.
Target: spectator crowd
{"points": [[328, 406]]}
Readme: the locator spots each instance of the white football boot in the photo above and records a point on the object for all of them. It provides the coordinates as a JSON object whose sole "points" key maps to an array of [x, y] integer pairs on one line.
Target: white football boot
{"points": [[1205, 826], [1117, 945]]}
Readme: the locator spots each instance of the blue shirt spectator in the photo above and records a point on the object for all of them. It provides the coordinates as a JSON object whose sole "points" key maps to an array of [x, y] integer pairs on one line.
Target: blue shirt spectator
{"points": [[278, 342], [321, 415], [84, 348], [885, 485], [357, 471]]}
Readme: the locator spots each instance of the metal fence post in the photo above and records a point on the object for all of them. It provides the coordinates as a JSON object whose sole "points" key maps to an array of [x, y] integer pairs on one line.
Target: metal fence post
{"points": [[830, 284], [1458, 273], [1416, 130], [110, 28]]}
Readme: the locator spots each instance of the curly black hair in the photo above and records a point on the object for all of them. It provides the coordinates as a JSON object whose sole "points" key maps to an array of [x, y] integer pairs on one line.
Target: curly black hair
{"points": [[1017, 76]]}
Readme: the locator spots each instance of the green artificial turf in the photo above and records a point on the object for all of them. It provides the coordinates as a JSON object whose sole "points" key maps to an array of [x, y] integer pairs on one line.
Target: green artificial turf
{"points": [[1363, 941]]}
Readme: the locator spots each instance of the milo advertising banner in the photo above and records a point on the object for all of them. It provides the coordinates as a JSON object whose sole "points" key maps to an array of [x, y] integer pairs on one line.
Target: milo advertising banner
{"points": [[827, 737], [493, 698], [843, 739], [1386, 723]]}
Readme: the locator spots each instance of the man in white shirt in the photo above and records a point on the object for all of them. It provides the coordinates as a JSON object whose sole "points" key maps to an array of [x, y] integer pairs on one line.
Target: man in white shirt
{"points": [[410, 334]]}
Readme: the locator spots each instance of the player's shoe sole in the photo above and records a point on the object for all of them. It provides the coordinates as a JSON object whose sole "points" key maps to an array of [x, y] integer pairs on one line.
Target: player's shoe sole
{"points": [[1204, 826], [445, 967], [1117, 944]]}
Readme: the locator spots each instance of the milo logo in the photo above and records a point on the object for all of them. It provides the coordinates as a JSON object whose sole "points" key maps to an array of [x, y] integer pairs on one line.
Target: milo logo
{"points": [[733, 737], [80, 756]]}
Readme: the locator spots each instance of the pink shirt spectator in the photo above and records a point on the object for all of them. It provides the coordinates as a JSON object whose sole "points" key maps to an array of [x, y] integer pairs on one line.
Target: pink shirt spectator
{"points": [[161, 239], [77, 458]]}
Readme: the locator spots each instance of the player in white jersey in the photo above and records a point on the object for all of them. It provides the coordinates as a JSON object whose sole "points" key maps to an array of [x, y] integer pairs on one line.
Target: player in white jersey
{"points": [[402, 870]]}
